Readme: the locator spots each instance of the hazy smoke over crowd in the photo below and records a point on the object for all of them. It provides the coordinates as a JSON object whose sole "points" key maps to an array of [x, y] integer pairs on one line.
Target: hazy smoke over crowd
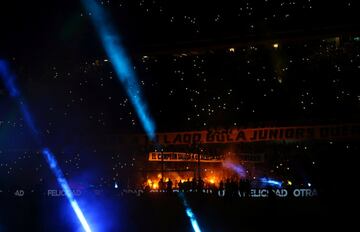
{"points": [[234, 165]]}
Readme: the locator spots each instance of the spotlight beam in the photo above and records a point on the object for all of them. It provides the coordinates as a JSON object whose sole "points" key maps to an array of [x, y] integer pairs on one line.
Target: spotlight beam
{"points": [[9, 81], [50, 158], [121, 63], [190, 214], [271, 182]]}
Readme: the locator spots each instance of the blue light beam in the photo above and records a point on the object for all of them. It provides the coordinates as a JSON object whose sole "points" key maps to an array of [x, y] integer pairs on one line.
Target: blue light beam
{"points": [[271, 182], [190, 214], [50, 158], [9, 81], [122, 65]]}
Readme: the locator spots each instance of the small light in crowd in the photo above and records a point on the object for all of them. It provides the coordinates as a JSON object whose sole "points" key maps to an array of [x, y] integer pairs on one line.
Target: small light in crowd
{"points": [[116, 185], [309, 184], [231, 49], [106, 60], [275, 45], [289, 182]]}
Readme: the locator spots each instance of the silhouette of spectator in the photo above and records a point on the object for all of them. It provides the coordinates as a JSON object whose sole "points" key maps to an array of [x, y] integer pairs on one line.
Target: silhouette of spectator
{"points": [[187, 185], [247, 187], [227, 187], [161, 184], [200, 185], [181, 186], [221, 185], [147, 189], [242, 187], [193, 184], [169, 186]]}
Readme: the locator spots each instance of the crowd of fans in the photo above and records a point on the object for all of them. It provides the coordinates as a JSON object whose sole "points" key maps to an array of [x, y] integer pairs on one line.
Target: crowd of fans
{"points": [[230, 185], [152, 22], [311, 82], [276, 82]]}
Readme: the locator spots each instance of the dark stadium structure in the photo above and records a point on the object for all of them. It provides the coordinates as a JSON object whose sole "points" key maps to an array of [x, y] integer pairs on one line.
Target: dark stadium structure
{"points": [[255, 105]]}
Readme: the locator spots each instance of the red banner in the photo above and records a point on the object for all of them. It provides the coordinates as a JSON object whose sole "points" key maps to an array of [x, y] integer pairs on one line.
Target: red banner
{"points": [[192, 157], [236, 135]]}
